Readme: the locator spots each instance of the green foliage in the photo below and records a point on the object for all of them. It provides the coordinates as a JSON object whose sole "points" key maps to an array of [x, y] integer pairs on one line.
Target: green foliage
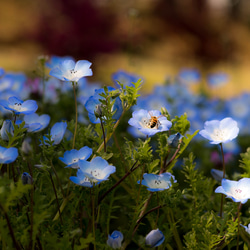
{"points": [[245, 163]]}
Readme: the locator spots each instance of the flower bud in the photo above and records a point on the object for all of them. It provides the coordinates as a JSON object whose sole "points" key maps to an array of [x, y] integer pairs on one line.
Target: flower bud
{"points": [[7, 128], [26, 178], [155, 238], [174, 140], [26, 148], [115, 240], [98, 111]]}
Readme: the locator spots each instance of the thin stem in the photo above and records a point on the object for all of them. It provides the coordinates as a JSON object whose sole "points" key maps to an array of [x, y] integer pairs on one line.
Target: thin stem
{"points": [[224, 173], [31, 216], [93, 216], [118, 182], [223, 161], [172, 158], [103, 132], [175, 232], [74, 139], [56, 197], [16, 245], [238, 234], [58, 180]]}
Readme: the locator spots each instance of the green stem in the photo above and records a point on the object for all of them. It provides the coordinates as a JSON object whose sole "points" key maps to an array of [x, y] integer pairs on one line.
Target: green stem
{"points": [[224, 173], [56, 197], [93, 216], [15, 243], [58, 180], [103, 132], [238, 234], [73, 84]]}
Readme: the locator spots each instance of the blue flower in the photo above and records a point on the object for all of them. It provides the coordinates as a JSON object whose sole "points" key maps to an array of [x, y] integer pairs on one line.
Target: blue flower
{"points": [[68, 70], [149, 122], [157, 182], [93, 103], [72, 157], [155, 238], [95, 171], [18, 106], [36, 123], [217, 79], [8, 155], [220, 131], [80, 179], [7, 128], [26, 178], [238, 191], [174, 140], [57, 132], [2, 72], [115, 239], [127, 79], [247, 228], [217, 174], [56, 60], [189, 75]]}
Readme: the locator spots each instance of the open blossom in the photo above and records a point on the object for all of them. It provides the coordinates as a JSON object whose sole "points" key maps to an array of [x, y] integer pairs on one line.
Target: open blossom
{"points": [[72, 157], [68, 70], [149, 122], [115, 239], [238, 191], [220, 131], [8, 155], [36, 123], [156, 182], [18, 106]]}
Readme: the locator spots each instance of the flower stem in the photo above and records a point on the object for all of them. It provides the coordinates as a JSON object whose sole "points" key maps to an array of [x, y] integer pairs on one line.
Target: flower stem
{"points": [[74, 138], [224, 173], [238, 234], [93, 216], [58, 180], [56, 197]]}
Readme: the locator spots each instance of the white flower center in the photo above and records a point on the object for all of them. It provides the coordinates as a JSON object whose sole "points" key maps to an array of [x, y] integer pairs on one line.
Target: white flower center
{"points": [[219, 135], [85, 180], [18, 106], [73, 72], [157, 183], [238, 193]]}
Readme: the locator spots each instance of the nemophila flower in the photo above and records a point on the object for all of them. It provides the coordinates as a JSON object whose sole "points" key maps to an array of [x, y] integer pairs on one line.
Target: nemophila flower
{"points": [[217, 79], [2, 72], [155, 238], [157, 183], [127, 79], [55, 61], [238, 191], [72, 157], [68, 70], [57, 132], [36, 123], [26, 178], [189, 75], [220, 131], [149, 122], [7, 128], [115, 239], [93, 103], [174, 140], [95, 171], [18, 106], [81, 180], [247, 228], [8, 155], [217, 174]]}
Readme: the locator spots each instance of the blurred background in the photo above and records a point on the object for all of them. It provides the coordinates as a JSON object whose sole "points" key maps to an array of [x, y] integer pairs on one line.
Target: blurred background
{"points": [[152, 38]]}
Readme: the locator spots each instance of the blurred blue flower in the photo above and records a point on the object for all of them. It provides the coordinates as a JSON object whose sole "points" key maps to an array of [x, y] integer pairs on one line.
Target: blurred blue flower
{"points": [[217, 174], [18, 106], [149, 122], [2, 72], [220, 131], [55, 61], [26, 147], [96, 171], [189, 76], [157, 183], [217, 79], [238, 191], [155, 238], [8, 155], [72, 157], [115, 239], [174, 140], [127, 79], [247, 228], [93, 103], [26, 178], [36, 123], [68, 70], [7, 127], [80, 179], [57, 132]]}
